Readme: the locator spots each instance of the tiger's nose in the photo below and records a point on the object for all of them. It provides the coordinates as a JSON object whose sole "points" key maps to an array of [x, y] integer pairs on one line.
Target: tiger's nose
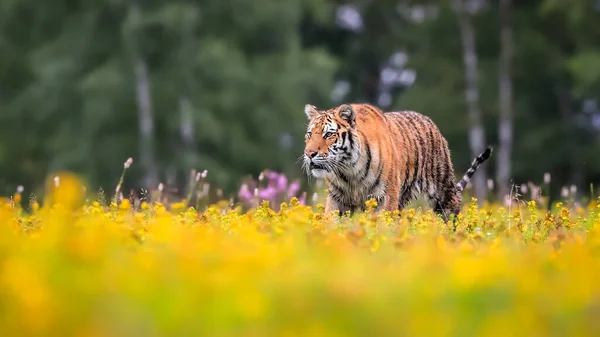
{"points": [[310, 154]]}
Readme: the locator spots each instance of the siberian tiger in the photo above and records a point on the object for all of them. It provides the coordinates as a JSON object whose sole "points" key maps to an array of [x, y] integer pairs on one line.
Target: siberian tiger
{"points": [[392, 157]]}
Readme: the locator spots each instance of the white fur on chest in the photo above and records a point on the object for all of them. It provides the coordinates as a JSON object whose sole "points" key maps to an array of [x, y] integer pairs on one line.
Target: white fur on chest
{"points": [[355, 188]]}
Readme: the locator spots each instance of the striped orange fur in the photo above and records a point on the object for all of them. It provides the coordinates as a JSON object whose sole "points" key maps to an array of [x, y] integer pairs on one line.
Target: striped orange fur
{"points": [[392, 157]]}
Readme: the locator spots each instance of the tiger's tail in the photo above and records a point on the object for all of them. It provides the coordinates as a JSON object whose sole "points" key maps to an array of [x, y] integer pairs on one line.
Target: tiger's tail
{"points": [[460, 186]]}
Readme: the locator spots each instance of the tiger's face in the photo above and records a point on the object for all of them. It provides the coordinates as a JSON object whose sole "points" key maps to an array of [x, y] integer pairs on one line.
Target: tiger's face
{"points": [[329, 140]]}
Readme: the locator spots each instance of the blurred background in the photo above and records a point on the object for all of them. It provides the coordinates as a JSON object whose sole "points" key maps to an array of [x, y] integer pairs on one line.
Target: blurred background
{"points": [[220, 85]]}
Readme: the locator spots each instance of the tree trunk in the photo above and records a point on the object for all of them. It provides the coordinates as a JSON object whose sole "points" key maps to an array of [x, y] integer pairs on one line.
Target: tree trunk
{"points": [[186, 127], [565, 105], [505, 123], [476, 130], [187, 134], [146, 123], [143, 98], [186, 55]]}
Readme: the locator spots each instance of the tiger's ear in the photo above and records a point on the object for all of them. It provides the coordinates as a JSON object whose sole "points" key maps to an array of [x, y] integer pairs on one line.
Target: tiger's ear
{"points": [[347, 113], [310, 111]]}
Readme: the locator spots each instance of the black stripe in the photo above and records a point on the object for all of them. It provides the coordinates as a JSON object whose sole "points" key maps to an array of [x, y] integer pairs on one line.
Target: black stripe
{"points": [[408, 142], [422, 174], [333, 185], [377, 181], [335, 194], [363, 175], [399, 128], [375, 111], [430, 174], [350, 148], [343, 176], [474, 165], [380, 167], [417, 149], [443, 165], [438, 162]]}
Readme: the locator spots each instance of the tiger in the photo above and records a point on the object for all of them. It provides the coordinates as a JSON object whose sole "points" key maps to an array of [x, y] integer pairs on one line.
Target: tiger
{"points": [[365, 153]]}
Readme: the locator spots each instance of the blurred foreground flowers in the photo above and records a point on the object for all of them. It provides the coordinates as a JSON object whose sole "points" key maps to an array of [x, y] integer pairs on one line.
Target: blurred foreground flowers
{"points": [[111, 270]]}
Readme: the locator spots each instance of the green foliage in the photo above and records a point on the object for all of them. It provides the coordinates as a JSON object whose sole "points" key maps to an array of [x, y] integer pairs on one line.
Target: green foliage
{"points": [[238, 73], [240, 65]]}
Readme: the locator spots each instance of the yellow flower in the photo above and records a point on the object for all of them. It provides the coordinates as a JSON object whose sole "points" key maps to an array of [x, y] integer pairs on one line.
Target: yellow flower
{"points": [[371, 204], [125, 205], [23, 283], [66, 189], [261, 272], [178, 206]]}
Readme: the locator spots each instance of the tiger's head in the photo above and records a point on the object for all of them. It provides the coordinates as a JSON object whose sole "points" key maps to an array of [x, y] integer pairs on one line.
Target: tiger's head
{"points": [[331, 143]]}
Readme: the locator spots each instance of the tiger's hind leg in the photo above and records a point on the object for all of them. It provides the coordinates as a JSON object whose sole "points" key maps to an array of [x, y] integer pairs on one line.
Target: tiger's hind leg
{"points": [[406, 195], [446, 202]]}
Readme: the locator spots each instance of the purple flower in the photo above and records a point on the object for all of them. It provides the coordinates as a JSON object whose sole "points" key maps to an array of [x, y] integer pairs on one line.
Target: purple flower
{"points": [[278, 188], [282, 183], [302, 199], [272, 175], [267, 194], [293, 188], [245, 193]]}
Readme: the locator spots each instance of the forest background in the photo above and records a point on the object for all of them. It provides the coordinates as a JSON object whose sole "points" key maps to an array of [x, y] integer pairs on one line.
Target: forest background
{"points": [[220, 85]]}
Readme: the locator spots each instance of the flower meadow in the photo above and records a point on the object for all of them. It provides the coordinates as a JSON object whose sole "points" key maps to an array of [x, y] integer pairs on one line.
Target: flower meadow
{"points": [[70, 266]]}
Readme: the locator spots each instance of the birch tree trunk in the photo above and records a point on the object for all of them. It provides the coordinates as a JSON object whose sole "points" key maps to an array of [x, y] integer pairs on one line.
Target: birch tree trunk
{"points": [[146, 123], [505, 123], [565, 105], [143, 98], [187, 54], [476, 130], [186, 128]]}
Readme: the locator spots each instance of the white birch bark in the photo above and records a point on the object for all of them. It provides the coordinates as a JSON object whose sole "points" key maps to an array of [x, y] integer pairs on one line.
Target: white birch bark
{"points": [[143, 99], [505, 123], [476, 130]]}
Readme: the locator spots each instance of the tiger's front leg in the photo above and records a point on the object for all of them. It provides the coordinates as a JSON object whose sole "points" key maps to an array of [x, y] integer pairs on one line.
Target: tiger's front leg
{"points": [[386, 202], [332, 205], [390, 202]]}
